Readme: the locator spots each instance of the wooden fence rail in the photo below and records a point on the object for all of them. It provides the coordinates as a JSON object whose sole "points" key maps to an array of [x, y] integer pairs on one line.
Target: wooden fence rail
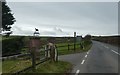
{"points": [[69, 45], [23, 70]]}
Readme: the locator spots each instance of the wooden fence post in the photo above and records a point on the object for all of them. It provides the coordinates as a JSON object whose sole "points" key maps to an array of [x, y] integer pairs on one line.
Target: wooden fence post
{"points": [[68, 47], [33, 58], [56, 54], [74, 46], [80, 45], [46, 52], [53, 52]]}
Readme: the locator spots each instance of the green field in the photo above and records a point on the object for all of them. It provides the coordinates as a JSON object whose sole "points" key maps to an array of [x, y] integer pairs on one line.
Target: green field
{"points": [[64, 50]]}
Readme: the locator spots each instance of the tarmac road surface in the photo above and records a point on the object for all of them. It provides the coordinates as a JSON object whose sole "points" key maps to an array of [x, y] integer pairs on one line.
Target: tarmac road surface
{"points": [[101, 58]]}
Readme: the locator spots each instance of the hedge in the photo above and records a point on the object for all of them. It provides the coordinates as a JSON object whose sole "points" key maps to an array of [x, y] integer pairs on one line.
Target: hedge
{"points": [[12, 46]]}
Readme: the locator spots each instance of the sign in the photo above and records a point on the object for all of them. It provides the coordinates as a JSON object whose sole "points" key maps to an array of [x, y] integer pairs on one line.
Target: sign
{"points": [[74, 34], [34, 43], [34, 46]]}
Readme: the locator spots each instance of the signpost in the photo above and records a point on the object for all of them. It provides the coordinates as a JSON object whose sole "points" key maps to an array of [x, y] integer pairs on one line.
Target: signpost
{"points": [[74, 41], [68, 43], [34, 45]]}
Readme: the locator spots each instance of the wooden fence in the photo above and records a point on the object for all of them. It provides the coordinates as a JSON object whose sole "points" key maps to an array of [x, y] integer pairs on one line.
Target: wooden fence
{"points": [[69, 45], [44, 59]]}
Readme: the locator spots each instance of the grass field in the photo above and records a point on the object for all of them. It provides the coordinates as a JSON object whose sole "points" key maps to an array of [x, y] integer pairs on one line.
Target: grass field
{"points": [[64, 50]]}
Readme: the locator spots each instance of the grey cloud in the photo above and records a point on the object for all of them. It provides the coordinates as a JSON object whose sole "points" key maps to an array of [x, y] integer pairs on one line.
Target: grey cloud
{"points": [[58, 29], [47, 33], [19, 31], [55, 31], [84, 17]]}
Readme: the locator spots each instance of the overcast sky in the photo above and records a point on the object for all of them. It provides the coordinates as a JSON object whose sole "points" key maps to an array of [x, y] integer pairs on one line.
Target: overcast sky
{"points": [[64, 18]]}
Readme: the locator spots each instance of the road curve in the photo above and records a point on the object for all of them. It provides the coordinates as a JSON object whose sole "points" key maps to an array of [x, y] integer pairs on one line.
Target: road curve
{"points": [[101, 58]]}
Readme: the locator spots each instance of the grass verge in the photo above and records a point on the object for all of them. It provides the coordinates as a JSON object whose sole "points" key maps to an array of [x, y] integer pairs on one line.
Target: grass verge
{"points": [[12, 66], [60, 67]]}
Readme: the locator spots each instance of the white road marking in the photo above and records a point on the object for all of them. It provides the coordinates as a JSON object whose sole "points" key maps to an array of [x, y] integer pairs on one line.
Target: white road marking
{"points": [[88, 52], [106, 47], [77, 72], [85, 56], [115, 52], [83, 62]]}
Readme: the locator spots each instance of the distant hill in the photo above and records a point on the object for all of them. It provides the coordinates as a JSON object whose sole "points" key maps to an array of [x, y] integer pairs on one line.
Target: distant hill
{"points": [[114, 40]]}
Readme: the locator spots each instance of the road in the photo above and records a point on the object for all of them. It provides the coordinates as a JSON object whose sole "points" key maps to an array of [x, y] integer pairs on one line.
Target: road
{"points": [[101, 58]]}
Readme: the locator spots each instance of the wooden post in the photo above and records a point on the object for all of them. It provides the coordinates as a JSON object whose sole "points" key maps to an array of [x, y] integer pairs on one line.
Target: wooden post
{"points": [[56, 54], [33, 61], [46, 52], [74, 47], [80, 45], [53, 52], [33, 57], [68, 47]]}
